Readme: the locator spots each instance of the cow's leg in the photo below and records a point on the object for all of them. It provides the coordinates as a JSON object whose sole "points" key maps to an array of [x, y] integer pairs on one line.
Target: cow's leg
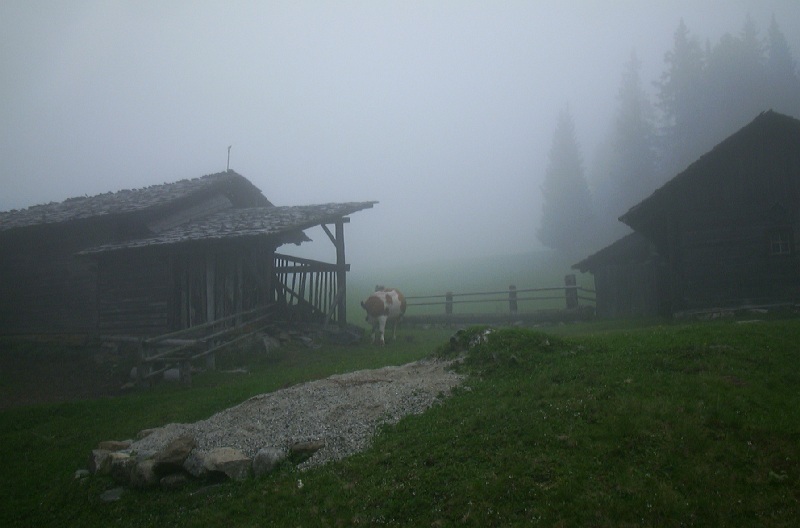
{"points": [[382, 326], [374, 324], [394, 329]]}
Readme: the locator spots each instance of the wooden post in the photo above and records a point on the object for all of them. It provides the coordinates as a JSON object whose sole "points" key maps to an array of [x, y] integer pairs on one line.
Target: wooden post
{"points": [[571, 291], [512, 299], [210, 289], [185, 295], [143, 368], [239, 290], [211, 360], [341, 273], [448, 303], [185, 369]]}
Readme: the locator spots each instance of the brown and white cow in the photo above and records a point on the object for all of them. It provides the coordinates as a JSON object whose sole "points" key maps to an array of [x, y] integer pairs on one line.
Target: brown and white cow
{"points": [[385, 304]]}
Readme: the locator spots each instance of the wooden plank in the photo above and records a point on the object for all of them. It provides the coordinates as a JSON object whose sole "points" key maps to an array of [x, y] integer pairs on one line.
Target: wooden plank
{"points": [[580, 314]]}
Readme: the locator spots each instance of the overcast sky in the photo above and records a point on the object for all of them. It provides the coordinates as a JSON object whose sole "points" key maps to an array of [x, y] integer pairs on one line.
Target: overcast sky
{"points": [[443, 111]]}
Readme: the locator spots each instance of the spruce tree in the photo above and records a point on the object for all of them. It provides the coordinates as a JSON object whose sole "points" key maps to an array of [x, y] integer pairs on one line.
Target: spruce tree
{"points": [[631, 167], [782, 76], [682, 99], [736, 77], [566, 224]]}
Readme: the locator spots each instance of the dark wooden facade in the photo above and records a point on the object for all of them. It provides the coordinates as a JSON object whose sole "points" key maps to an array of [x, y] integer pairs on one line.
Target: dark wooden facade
{"points": [[723, 233], [160, 259], [152, 291], [630, 279]]}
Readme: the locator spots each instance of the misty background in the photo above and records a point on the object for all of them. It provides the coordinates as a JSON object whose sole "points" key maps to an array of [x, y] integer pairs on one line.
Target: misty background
{"points": [[453, 115]]}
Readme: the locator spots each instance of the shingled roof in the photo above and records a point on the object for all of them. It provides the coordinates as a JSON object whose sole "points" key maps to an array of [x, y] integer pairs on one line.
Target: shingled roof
{"points": [[131, 200], [225, 205], [631, 247], [768, 133], [232, 223]]}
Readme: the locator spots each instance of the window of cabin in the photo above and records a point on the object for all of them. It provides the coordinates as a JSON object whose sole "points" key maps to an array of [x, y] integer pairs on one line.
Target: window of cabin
{"points": [[780, 242]]}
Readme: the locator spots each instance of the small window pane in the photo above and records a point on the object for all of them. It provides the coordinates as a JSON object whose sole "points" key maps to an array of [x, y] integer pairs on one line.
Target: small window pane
{"points": [[779, 243]]}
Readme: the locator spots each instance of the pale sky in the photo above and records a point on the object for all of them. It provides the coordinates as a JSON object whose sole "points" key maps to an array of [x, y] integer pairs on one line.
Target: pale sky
{"points": [[441, 110]]}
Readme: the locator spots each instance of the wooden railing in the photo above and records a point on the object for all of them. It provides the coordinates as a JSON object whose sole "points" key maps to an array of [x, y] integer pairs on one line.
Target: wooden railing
{"points": [[181, 348], [532, 300], [308, 288], [303, 290]]}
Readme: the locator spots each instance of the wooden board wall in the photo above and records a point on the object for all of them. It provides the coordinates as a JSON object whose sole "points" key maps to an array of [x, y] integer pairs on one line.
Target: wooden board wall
{"points": [[135, 289], [44, 286]]}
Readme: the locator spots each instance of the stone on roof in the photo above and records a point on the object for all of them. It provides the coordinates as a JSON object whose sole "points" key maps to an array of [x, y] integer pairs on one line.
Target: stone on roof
{"points": [[119, 202]]}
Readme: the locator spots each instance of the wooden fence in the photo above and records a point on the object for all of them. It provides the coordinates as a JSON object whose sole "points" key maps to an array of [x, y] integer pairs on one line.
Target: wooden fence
{"points": [[303, 290], [531, 300], [180, 349], [310, 289]]}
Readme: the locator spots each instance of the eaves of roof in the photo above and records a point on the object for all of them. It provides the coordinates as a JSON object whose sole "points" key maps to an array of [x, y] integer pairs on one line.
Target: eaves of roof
{"points": [[632, 246], [235, 223]]}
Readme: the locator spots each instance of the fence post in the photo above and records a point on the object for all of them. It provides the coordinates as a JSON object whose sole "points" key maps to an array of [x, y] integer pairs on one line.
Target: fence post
{"points": [[185, 370], [448, 303], [143, 368], [211, 359], [512, 299], [571, 291]]}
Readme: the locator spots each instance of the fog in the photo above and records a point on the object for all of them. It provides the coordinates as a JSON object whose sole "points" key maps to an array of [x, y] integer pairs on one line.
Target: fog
{"points": [[443, 111]]}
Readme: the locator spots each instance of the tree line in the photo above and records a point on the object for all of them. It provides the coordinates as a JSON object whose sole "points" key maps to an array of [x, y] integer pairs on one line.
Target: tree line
{"points": [[705, 93]]}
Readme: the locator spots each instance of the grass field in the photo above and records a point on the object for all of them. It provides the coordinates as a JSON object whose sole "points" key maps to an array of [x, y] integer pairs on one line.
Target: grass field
{"points": [[599, 424]]}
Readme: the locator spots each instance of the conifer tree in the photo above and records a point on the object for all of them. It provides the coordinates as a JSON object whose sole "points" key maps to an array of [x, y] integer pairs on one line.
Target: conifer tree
{"points": [[631, 161], [566, 224], [682, 99], [782, 75], [736, 80]]}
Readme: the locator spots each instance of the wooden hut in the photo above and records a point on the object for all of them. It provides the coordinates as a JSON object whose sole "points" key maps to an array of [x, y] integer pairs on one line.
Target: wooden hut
{"points": [[163, 258], [722, 234]]}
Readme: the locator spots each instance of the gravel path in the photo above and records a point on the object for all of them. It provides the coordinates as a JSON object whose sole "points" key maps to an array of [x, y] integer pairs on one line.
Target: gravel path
{"points": [[343, 411]]}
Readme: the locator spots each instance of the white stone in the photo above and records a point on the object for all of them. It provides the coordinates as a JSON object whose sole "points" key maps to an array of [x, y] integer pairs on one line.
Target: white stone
{"points": [[267, 459]]}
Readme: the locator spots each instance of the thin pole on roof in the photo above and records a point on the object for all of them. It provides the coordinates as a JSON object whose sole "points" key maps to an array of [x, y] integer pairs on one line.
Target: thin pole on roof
{"points": [[228, 167]]}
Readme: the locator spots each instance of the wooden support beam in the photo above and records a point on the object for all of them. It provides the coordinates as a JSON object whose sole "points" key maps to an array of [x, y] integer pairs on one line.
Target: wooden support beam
{"points": [[328, 232], [341, 272], [210, 289]]}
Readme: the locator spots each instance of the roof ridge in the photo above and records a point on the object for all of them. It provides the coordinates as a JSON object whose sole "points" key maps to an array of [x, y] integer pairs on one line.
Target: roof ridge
{"points": [[112, 202]]}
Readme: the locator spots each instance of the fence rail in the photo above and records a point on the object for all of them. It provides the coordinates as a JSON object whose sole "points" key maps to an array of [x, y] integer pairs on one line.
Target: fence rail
{"points": [[571, 293], [300, 290], [179, 349]]}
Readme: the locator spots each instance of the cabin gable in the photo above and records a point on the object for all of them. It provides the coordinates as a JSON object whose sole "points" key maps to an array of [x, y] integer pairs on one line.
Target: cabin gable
{"points": [[153, 260], [725, 231]]}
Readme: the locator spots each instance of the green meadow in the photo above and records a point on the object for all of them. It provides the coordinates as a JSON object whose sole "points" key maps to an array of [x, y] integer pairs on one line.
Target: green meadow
{"points": [[635, 423]]}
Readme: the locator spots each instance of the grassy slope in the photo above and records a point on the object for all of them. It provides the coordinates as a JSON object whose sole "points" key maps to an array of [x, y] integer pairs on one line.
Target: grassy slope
{"points": [[41, 446], [659, 425]]}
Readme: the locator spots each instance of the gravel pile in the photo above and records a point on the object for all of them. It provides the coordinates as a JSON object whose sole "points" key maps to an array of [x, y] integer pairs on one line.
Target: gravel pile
{"points": [[341, 411]]}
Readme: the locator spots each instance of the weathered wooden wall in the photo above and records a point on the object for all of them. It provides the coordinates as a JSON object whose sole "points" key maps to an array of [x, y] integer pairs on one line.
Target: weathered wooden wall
{"points": [[134, 290], [731, 265], [630, 289], [153, 291], [44, 287], [720, 237]]}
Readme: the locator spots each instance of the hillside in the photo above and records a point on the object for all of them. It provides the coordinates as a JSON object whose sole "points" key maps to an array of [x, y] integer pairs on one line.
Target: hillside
{"points": [[615, 425]]}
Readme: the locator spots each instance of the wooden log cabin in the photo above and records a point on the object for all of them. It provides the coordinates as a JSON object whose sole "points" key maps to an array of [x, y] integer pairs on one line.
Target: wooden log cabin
{"points": [[723, 234], [164, 258]]}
